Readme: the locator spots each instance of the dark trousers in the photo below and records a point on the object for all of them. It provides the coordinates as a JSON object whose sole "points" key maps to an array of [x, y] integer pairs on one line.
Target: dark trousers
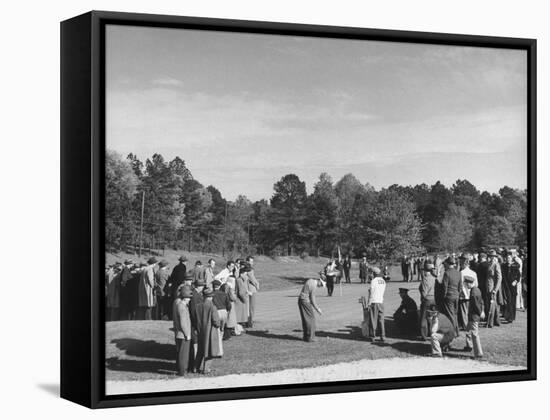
{"points": [[450, 307], [183, 353], [424, 328], [330, 285], [346, 274], [307, 314], [510, 307], [376, 312], [145, 313], [251, 309]]}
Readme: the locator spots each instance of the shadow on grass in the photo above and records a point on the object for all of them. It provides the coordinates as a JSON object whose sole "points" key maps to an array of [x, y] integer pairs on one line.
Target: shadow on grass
{"points": [[267, 334], [145, 348], [140, 366]]}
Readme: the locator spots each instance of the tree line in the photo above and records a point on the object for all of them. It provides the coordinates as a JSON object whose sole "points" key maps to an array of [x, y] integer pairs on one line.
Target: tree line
{"points": [[180, 212]]}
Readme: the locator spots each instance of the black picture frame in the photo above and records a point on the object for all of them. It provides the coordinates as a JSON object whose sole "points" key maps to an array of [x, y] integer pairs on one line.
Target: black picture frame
{"points": [[82, 201]]}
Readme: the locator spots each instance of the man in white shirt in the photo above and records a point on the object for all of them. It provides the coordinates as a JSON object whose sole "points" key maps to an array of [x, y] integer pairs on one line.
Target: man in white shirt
{"points": [[466, 274], [376, 305], [223, 275]]}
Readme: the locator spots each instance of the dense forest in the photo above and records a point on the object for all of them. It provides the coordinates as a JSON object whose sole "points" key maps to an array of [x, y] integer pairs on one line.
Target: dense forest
{"points": [[181, 213]]}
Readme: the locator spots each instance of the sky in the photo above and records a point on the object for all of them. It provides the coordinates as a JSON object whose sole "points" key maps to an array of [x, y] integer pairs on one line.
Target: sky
{"points": [[243, 110]]}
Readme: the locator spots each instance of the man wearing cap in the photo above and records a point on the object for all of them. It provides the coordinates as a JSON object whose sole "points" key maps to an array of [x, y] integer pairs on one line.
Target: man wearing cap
{"points": [[182, 328], [463, 300], [253, 288], [406, 316], [162, 303], [494, 293], [442, 330], [452, 284], [475, 314], [376, 305], [207, 326], [427, 299]]}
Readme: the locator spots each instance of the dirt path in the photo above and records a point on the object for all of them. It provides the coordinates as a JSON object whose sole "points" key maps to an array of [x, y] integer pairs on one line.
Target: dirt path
{"points": [[363, 369]]}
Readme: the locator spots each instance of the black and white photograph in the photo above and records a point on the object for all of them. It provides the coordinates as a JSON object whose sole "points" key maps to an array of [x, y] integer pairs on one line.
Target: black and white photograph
{"points": [[292, 209]]}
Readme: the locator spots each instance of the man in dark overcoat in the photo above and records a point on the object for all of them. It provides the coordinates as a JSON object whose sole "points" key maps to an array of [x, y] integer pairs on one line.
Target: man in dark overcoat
{"points": [[406, 316], [452, 284], [494, 292], [207, 319]]}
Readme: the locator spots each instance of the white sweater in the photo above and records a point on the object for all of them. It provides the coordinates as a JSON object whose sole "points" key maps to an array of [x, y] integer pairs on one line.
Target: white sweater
{"points": [[377, 289]]}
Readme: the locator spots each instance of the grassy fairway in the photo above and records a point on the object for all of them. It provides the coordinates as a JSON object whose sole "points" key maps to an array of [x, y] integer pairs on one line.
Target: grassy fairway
{"points": [[137, 350]]}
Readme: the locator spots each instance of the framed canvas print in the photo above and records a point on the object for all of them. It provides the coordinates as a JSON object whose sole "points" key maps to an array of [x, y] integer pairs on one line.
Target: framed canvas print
{"points": [[255, 209]]}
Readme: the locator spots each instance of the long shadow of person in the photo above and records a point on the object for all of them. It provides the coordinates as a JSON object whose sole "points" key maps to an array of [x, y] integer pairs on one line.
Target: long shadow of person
{"points": [[267, 334], [140, 366], [146, 348]]}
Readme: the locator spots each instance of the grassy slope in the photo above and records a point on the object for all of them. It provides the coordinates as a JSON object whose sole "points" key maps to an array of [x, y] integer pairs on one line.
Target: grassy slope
{"points": [[145, 350]]}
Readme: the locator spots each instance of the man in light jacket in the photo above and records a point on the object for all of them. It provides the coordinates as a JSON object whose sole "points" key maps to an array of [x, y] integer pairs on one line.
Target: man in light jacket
{"points": [[146, 289], [182, 328], [253, 288]]}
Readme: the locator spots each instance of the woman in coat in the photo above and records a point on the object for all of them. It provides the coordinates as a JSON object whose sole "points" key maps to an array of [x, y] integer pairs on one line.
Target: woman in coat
{"points": [[241, 291]]}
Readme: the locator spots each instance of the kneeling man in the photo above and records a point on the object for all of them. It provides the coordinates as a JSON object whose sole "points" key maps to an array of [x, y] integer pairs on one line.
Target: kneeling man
{"points": [[406, 316], [443, 331]]}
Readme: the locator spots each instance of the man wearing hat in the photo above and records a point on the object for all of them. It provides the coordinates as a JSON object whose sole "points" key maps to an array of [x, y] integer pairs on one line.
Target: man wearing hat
{"points": [[482, 268], [475, 314], [427, 297], [222, 302], [182, 328], [253, 289], [209, 272], [241, 305], [112, 283], [463, 300], [199, 272], [128, 292], [176, 279], [494, 294], [452, 284], [363, 270], [146, 296], [207, 327], [443, 332], [376, 305], [406, 316], [195, 309], [162, 307]]}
